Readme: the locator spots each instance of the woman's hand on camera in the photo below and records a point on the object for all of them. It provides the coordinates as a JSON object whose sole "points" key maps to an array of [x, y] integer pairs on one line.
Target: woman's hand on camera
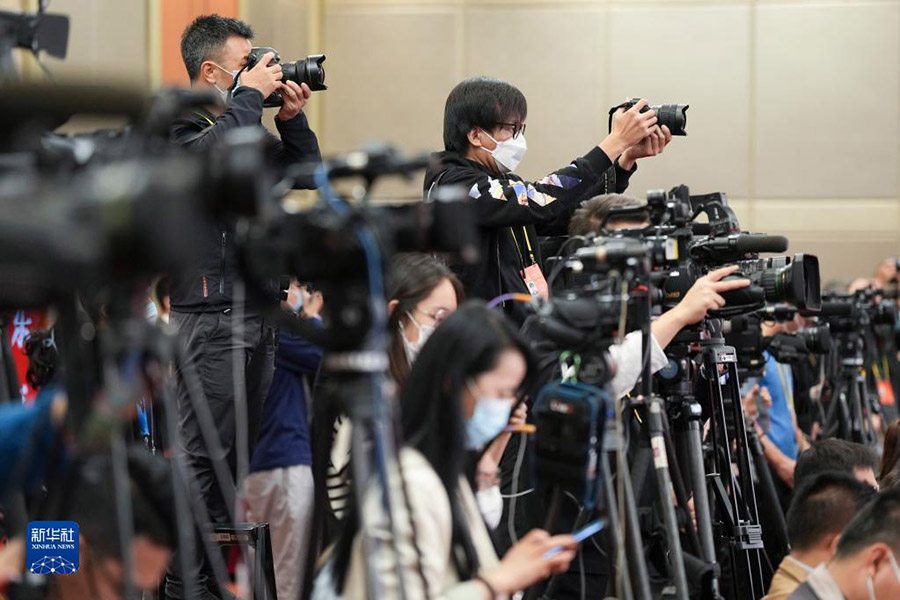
{"points": [[524, 564], [629, 127]]}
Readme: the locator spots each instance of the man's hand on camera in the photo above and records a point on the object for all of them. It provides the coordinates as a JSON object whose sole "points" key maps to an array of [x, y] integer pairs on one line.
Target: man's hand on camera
{"points": [[651, 145], [264, 77], [629, 127], [295, 98], [703, 297]]}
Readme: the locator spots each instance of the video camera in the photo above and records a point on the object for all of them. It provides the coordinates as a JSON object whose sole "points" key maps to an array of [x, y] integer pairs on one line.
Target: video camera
{"points": [[681, 250], [744, 333]]}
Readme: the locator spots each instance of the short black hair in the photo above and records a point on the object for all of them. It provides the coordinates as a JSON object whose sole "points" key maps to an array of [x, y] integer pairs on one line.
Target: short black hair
{"points": [[878, 521], [833, 455], [204, 39], [588, 217], [480, 102], [823, 505]]}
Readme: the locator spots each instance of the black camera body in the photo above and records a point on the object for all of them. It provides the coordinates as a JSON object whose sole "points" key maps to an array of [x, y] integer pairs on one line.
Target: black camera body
{"points": [[307, 70], [672, 116]]}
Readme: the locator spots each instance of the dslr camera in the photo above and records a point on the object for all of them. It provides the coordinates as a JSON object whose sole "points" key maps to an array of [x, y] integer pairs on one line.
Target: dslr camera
{"points": [[672, 116], [307, 70]]}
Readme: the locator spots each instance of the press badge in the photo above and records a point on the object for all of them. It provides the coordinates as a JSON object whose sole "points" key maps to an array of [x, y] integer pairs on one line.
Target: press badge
{"points": [[535, 282], [885, 392]]}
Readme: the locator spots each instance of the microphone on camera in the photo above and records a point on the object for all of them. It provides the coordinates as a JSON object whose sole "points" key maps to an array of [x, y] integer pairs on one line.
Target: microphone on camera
{"points": [[739, 244]]}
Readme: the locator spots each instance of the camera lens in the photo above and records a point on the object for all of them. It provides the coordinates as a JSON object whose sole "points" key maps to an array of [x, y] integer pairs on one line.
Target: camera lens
{"points": [[818, 339], [795, 281], [673, 116], [307, 70]]}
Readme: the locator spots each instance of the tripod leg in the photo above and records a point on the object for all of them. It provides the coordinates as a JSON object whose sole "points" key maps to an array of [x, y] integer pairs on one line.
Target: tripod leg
{"points": [[664, 485], [633, 542], [701, 497], [612, 509]]}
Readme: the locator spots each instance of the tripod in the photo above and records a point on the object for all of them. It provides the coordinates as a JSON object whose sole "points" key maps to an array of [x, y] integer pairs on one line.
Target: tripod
{"points": [[849, 415], [735, 495]]}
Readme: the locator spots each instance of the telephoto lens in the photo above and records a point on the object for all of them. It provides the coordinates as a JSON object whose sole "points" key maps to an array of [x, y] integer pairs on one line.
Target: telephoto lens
{"points": [[307, 70], [673, 116], [784, 279]]}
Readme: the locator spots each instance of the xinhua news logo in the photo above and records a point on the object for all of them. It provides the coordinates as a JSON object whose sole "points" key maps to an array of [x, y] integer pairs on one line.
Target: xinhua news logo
{"points": [[52, 547]]}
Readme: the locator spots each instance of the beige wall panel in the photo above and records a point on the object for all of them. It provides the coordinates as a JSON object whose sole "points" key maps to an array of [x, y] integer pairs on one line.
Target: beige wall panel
{"points": [[389, 72], [742, 208], [697, 54], [282, 24], [827, 215], [561, 71], [845, 256], [107, 41], [828, 91]]}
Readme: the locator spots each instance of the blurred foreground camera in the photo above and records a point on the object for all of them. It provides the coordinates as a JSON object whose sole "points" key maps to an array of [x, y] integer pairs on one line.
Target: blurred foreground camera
{"points": [[307, 70], [672, 116]]}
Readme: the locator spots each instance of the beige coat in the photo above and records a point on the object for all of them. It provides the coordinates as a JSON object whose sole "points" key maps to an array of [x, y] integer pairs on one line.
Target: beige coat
{"points": [[431, 514]]}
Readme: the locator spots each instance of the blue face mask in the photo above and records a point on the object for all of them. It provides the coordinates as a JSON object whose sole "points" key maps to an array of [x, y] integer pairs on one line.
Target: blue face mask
{"points": [[297, 304], [489, 419]]}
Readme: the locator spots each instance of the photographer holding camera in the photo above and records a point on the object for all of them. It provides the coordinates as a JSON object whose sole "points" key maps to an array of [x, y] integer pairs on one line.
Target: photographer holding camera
{"points": [[216, 53], [484, 142]]}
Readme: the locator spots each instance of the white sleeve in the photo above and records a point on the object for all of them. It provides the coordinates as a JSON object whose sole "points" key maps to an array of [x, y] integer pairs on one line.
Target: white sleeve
{"points": [[627, 360]]}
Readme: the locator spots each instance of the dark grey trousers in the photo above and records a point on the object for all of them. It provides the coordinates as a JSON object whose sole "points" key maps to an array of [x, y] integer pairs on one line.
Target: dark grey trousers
{"points": [[209, 346]]}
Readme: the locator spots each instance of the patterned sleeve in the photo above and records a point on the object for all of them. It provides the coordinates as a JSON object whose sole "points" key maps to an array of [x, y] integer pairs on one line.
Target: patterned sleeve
{"points": [[514, 203]]}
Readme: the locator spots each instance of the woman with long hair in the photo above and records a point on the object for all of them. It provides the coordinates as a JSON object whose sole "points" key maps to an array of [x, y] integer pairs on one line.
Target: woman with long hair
{"points": [[458, 397], [422, 292]]}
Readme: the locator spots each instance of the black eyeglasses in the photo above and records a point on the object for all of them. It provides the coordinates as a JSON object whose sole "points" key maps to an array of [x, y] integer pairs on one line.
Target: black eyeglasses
{"points": [[517, 128]]}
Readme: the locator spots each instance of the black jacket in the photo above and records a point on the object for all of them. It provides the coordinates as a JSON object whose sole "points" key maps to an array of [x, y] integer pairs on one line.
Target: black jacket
{"points": [[512, 213], [209, 287]]}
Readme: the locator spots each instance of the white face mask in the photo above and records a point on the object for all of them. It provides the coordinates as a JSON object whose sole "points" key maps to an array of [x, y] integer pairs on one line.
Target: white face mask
{"points": [[413, 348], [490, 502], [508, 153], [236, 83]]}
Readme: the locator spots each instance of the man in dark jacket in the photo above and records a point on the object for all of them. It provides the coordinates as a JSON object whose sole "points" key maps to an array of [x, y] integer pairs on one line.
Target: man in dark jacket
{"points": [[204, 302], [484, 142]]}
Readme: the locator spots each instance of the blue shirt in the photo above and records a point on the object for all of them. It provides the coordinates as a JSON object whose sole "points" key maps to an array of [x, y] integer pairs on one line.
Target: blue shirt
{"points": [[780, 382], [26, 440], [284, 432]]}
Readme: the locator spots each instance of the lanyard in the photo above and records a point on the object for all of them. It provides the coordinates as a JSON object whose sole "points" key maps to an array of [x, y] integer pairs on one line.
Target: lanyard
{"points": [[527, 244], [205, 118], [885, 373], [519, 250], [788, 392]]}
